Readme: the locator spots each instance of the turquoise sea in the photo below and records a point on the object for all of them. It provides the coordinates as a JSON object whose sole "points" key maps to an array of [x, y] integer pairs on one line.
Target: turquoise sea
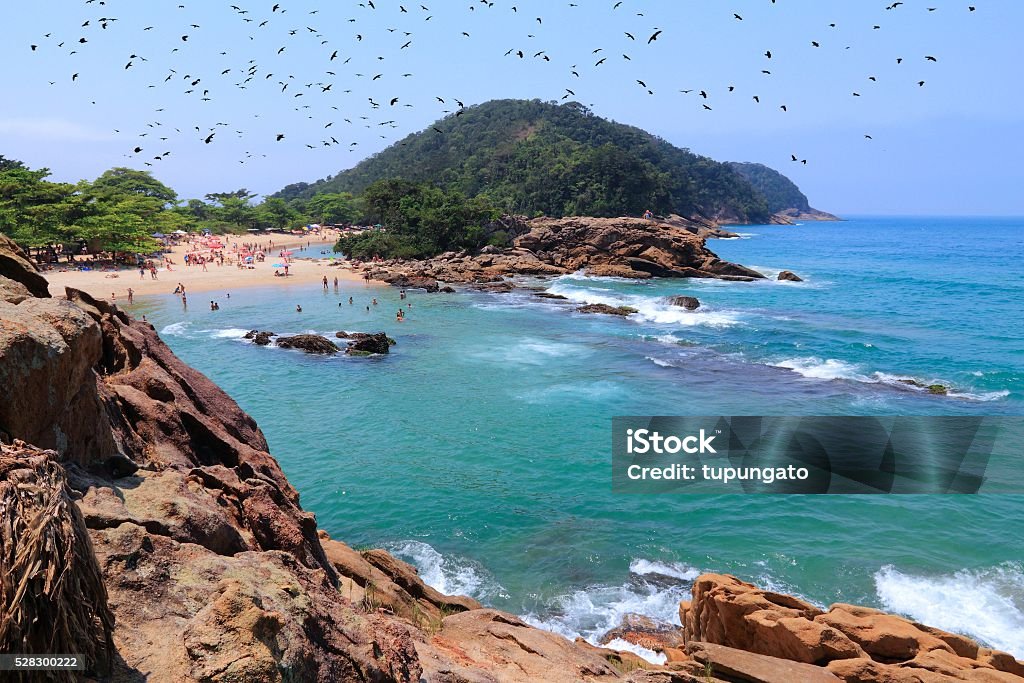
{"points": [[479, 450]]}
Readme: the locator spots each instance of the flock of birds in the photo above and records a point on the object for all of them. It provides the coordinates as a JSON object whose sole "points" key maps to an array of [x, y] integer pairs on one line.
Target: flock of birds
{"points": [[317, 89]]}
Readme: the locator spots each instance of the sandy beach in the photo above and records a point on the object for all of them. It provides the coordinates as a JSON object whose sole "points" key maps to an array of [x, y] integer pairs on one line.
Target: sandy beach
{"points": [[113, 285]]}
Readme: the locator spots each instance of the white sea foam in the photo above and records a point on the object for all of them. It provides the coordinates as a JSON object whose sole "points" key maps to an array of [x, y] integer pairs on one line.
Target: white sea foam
{"points": [[230, 333], [816, 368], [649, 309], [830, 369], [985, 604], [984, 396], [675, 570], [661, 362], [648, 654], [592, 612], [178, 329], [450, 575]]}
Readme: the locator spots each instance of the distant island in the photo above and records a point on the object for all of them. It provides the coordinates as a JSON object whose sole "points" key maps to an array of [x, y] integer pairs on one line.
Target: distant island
{"points": [[534, 158]]}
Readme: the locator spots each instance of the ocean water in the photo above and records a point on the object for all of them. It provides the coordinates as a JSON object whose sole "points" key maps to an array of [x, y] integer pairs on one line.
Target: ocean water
{"points": [[479, 449]]}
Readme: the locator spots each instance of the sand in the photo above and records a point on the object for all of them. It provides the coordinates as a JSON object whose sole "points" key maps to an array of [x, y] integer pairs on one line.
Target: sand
{"points": [[113, 285]]}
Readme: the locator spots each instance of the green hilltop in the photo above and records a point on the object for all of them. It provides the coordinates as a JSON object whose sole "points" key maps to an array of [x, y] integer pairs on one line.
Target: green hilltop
{"points": [[541, 158]]}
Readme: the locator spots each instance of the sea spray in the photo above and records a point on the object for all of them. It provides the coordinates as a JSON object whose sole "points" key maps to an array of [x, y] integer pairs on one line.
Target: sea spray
{"points": [[987, 604]]}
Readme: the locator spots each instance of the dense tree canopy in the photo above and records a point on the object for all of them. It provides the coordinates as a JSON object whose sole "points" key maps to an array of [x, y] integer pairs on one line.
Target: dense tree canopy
{"points": [[779, 191], [531, 157], [418, 219]]}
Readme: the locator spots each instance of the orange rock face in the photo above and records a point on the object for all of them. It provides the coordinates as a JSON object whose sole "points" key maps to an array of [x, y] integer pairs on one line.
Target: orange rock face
{"points": [[856, 644]]}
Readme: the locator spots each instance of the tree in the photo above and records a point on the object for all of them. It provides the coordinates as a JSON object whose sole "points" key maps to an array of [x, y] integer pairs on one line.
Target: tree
{"points": [[221, 197], [33, 211], [333, 208], [275, 213], [236, 210], [6, 164], [119, 182]]}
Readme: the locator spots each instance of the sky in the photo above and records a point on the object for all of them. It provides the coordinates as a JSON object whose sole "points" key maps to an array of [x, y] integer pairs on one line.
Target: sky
{"points": [[950, 147]]}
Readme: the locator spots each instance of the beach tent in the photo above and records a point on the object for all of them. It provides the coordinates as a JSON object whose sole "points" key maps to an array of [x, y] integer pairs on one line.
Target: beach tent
{"points": [[180, 232]]}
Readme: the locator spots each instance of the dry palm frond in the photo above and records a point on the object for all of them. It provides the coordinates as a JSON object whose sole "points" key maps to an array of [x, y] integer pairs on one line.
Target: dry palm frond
{"points": [[52, 597]]}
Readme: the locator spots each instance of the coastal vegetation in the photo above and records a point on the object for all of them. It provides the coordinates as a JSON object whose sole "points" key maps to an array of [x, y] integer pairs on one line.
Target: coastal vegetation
{"points": [[123, 210], [535, 158], [779, 192], [435, 191]]}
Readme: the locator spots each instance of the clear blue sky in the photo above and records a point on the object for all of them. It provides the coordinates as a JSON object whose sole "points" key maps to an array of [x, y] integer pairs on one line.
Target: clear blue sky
{"points": [[950, 147]]}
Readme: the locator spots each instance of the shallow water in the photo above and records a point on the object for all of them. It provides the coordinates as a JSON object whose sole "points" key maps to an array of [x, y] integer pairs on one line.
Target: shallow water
{"points": [[479, 449]]}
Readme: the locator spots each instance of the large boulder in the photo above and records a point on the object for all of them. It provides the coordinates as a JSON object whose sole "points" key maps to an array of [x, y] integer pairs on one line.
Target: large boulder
{"points": [[259, 338], [690, 303], [633, 245], [16, 266], [310, 343], [790, 276], [367, 344]]}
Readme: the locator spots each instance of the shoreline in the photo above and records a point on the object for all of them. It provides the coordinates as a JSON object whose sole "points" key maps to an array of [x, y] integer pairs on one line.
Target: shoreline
{"points": [[112, 285]]}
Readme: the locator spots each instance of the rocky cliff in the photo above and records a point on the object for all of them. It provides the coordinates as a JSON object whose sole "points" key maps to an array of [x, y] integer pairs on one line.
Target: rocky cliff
{"points": [[617, 247], [144, 526]]}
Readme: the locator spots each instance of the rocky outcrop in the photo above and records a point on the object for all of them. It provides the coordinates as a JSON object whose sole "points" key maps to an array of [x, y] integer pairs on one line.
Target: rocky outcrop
{"points": [[612, 247], [310, 343], [853, 643], [606, 309], [369, 344], [365, 344], [690, 303], [259, 338], [791, 216], [789, 276]]}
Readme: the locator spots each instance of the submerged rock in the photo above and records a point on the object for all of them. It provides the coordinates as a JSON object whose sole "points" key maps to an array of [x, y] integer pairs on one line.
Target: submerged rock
{"points": [[605, 308], [367, 344], [259, 338], [790, 276], [690, 303], [310, 343], [937, 389], [549, 295]]}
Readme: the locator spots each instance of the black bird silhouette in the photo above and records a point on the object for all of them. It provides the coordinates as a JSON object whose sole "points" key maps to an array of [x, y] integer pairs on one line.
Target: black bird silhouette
{"points": [[280, 136], [654, 37]]}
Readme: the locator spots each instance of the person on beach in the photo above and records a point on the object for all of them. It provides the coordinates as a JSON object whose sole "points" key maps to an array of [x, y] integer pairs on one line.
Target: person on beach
{"points": [[335, 281], [142, 272], [113, 297], [298, 309], [325, 283], [375, 302], [401, 294], [152, 272], [350, 302], [131, 296]]}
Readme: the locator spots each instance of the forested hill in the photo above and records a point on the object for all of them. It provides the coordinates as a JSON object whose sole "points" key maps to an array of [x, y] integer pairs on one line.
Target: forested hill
{"points": [[532, 157], [780, 192]]}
